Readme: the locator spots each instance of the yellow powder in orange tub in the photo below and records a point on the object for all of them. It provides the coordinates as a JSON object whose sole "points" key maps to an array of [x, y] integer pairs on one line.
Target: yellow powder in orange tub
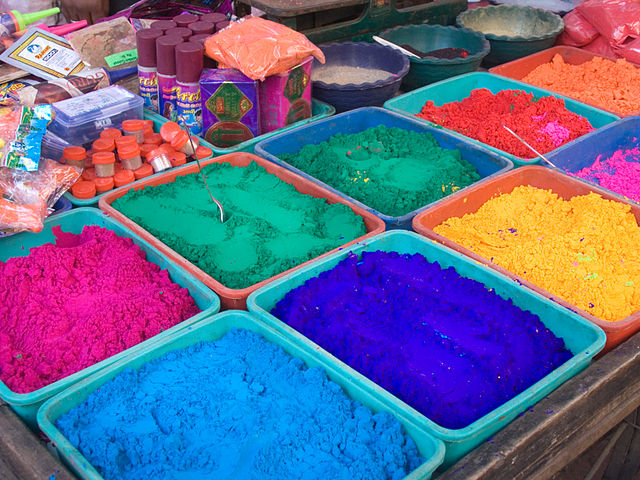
{"points": [[614, 86], [585, 250]]}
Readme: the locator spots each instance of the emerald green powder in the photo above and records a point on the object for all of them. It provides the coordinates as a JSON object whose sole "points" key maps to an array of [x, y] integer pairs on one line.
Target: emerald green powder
{"points": [[391, 170], [269, 226]]}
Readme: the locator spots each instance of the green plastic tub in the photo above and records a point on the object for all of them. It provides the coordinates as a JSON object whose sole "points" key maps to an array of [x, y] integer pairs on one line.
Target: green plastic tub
{"points": [[580, 336], [158, 121], [459, 88], [212, 329], [26, 404], [319, 110]]}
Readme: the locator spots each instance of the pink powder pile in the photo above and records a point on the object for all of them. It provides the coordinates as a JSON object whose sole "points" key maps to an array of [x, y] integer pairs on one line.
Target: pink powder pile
{"points": [[71, 304], [619, 173]]}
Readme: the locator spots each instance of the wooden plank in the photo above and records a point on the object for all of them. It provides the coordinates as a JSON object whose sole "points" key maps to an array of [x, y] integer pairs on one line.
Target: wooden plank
{"points": [[561, 426]]}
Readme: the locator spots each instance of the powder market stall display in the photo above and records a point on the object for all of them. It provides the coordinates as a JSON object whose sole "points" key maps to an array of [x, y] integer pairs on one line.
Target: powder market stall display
{"points": [[54, 313], [577, 249], [281, 412], [274, 221], [545, 120], [356, 335], [388, 164]]}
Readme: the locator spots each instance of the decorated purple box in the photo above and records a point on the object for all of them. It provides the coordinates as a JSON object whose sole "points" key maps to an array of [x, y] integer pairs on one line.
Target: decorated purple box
{"points": [[230, 107]]}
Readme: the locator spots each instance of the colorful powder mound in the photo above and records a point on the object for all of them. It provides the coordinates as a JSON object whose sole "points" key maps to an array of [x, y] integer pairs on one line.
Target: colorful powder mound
{"points": [[391, 170], [612, 85], [239, 408], [544, 122], [585, 250], [401, 321], [71, 304], [619, 173], [271, 226]]}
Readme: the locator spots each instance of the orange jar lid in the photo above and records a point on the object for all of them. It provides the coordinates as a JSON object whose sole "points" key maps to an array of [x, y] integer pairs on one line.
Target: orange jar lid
{"points": [[132, 125], [83, 189], [168, 130], [103, 158], [203, 152], [111, 133], [145, 170], [74, 153], [123, 177], [126, 140], [154, 138], [146, 124], [178, 159], [89, 174], [128, 151], [104, 184], [103, 145], [145, 148]]}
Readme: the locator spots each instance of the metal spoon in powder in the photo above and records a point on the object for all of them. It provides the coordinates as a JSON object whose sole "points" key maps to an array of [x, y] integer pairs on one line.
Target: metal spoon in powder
{"points": [[528, 146]]}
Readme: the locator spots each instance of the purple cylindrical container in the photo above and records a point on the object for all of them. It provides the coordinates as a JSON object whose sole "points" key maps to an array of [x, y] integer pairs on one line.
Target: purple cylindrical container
{"points": [[185, 19], [147, 66], [199, 39], [213, 17], [189, 62], [221, 25], [166, 65], [163, 25], [182, 32], [202, 27]]}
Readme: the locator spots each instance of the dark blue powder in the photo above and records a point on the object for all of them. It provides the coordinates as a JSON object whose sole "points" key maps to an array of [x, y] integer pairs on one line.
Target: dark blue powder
{"points": [[442, 343], [238, 408]]}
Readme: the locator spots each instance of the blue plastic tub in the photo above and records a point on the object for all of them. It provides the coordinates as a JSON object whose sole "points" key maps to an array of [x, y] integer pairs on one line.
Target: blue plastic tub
{"points": [[487, 162], [62, 205], [458, 88], [580, 336], [26, 404], [212, 329]]}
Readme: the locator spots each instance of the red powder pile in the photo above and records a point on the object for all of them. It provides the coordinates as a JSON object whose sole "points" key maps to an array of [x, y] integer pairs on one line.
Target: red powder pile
{"points": [[544, 122], [70, 305]]}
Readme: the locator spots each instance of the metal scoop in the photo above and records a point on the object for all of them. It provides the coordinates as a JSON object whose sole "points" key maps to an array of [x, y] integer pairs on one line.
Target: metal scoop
{"points": [[528, 146], [204, 179]]}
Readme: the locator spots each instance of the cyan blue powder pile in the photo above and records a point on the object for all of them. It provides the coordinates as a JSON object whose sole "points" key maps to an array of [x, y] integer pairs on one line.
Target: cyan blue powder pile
{"points": [[444, 344], [238, 408]]}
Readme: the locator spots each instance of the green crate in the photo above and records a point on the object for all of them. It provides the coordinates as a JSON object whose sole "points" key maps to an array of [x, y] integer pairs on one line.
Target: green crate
{"points": [[212, 329], [458, 88], [583, 338], [26, 404]]}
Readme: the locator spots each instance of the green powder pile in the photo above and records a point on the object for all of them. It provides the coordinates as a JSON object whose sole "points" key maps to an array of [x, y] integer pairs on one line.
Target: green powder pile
{"points": [[391, 170], [269, 226]]}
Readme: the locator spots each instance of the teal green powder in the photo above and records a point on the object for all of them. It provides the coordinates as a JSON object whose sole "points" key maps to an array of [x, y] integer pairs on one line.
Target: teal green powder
{"points": [[391, 170], [269, 226]]}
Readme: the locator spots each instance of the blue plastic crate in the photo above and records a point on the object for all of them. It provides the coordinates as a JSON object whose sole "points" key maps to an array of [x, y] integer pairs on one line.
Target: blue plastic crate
{"points": [[581, 337], [488, 163]]}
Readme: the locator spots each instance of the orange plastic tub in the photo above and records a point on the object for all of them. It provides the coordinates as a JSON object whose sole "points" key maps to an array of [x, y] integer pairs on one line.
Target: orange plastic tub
{"points": [[234, 298], [520, 68], [471, 199]]}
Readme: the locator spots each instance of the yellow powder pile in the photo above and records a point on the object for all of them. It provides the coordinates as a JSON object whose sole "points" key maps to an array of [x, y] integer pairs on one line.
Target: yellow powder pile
{"points": [[585, 250], [614, 86]]}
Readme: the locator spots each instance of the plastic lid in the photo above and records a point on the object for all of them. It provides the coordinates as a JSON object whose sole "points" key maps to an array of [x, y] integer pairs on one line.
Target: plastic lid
{"points": [[189, 62], [123, 177], [167, 148], [83, 189], [202, 27], [221, 25], [104, 184], [178, 158], [200, 38], [147, 124], [203, 152], [103, 145], [89, 174], [103, 158], [74, 153], [145, 170], [126, 140], [181, 139], [128, 151], [132, 126], [166, 51], [154, 138], [163, 25], [111, 133], [213, 17], [146, 45], [145, 148], [168, 130], [185, 19], [183, 32]]}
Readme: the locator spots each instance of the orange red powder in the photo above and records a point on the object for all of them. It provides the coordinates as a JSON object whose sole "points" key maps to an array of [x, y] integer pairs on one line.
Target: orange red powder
{"points": [[612, 85]]}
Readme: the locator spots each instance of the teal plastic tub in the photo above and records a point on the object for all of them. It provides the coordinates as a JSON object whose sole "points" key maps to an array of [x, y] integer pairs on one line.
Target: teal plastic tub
{"points": [[212, 329], [580, 336], [158, 121], [26, 404], [319, 110], [459, 88]]}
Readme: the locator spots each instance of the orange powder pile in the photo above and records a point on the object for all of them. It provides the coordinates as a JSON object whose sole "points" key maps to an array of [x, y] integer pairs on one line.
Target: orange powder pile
{"points": [[614, 86], [585, 250]]}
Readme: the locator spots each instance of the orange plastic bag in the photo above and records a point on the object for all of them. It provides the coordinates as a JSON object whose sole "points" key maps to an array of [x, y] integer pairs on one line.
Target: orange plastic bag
{"points": [[614, 19], [260, 48]]}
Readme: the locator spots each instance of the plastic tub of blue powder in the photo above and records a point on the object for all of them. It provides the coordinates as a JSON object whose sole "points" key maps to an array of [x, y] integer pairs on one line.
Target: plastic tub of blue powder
{"points": [[231, 398]]}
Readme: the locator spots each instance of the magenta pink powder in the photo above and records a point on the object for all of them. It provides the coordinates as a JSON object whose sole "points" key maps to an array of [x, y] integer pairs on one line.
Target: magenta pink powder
{"points": [[71, 304], [619, 173]]}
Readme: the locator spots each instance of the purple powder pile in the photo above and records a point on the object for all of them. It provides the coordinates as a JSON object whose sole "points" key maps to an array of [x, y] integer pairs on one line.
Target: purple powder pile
{"points": [[444, 344]]}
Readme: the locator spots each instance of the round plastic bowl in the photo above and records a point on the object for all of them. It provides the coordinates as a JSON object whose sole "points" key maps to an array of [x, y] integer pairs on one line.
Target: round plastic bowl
{"points": [[514, 31], [427, 38], [364, 55]]}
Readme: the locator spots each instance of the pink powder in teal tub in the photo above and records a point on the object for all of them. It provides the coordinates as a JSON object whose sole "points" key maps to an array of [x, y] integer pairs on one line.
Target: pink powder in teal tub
{"points": [[69, 305]]}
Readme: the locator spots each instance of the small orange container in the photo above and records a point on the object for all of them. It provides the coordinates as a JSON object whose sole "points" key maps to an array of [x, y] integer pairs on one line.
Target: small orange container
{"points": [[153, 138], [134, 128], [104, 184], [126, 140], [89, 174], [472, 198], [123, 177], [178, 159], [104, 163], [144, 171], [111, 133], [145, 148], [181, 142], [203, 152], [84, 189], [103, 145], [75, 156], [129, 156], [235, 298]]}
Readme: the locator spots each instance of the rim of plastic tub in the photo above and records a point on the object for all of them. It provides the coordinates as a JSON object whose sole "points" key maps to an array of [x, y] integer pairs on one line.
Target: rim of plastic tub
{"points": [[393, 77], [559, 23], [445, 61]]}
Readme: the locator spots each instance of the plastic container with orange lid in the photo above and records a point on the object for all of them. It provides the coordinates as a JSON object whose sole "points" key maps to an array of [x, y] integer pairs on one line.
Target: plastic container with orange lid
{"points": [[144, 171], [110, 133], [84, 189], [178, 158], [159, 159], [181, 142], [126, 140], [124, 177], [153, 138], [103, 145], [104, 162], [134, 128], [130, 157], [169, 130], [145, 148], [74, 156], [147, 125], [104, 184], [203, 152], [89, 174]]}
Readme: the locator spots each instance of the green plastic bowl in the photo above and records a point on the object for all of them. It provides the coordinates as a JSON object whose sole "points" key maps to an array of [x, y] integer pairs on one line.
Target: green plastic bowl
{"points": [[423, 71], [514, 31]]}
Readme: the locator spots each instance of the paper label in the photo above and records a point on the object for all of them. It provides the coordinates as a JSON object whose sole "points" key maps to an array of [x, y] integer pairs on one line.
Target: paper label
{"points": [[189, 106], [121, 58], [148, 80], [167, 97]]}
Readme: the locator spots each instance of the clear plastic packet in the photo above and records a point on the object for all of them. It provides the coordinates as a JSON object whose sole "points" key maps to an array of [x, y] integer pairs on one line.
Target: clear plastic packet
{"points": [[614, 19], [578, 30], [21, 132]]}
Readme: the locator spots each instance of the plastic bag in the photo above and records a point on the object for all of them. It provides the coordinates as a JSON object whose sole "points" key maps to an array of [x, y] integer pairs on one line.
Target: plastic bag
{"points": [[629, 51], [577, 30], [601, 46], [614, 19], [26, 197], [260, 48], [21, 132]]}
